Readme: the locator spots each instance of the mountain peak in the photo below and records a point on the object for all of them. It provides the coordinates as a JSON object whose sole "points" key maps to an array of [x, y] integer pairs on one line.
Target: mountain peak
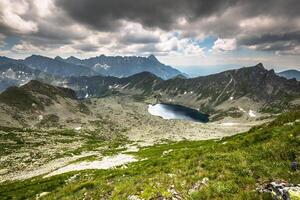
{"points": [[48, 90], [72, 58], [58, 58], [260, 65], [35, 56], [152, 58]]}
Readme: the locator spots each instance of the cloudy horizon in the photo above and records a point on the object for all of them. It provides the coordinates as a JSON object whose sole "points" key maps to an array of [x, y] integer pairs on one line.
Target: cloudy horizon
{"points": [[183, 34]]}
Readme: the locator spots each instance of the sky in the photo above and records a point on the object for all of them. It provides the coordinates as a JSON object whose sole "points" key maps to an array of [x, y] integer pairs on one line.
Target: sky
{"points": [[190, 35]]}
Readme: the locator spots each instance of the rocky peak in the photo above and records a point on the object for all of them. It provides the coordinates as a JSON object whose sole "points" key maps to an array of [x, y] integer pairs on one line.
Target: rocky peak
{"points": [[72, 58], [153, 58], [59, 58], [48, 90], [260, 65]]}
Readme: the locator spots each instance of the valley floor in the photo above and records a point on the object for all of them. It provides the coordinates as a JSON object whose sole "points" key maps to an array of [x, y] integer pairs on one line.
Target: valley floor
{"points": [[126, 153], [142, 127]]}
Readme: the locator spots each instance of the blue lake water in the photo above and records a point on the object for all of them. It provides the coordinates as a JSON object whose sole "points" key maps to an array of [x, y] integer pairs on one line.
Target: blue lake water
{"points": [[173, 111]]}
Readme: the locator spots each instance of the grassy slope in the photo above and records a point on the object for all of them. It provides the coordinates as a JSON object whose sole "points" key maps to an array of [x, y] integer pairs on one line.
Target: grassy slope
{"points": [[234, 166]]}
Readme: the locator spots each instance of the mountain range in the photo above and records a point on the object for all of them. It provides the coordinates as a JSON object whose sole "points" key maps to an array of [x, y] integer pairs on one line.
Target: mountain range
{"points": [[233, 90], [73, 67], [18, 74], [289, 74], [119, 66], [243, 92]]}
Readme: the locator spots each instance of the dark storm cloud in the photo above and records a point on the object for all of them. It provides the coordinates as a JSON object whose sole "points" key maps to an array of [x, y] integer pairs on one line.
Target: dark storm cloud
{"points": [[105, 14], [284, 8], [139, 39], [140, 25], [86, 47], [55, 32], [283, 43], [270, 38]]}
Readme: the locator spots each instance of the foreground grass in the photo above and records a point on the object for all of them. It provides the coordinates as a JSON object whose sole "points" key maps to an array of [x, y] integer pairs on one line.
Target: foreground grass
{"points": [[235, 166]]}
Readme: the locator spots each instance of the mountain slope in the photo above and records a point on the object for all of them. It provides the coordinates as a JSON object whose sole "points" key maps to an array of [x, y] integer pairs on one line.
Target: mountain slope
{"points": [[17, 74], [34, 92], [35, 102], [255, 82], [98, 86], [6, 60], [57, 67], [126, 66], [237, 167], [289, 74], [243, 89]]}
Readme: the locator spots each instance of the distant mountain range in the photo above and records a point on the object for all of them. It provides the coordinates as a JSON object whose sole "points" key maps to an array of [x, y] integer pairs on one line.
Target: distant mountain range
{"points": [[235, 93], [17, 74], [49, 66], [289, 74], [248, 87], [119, 66], [102, 65]]}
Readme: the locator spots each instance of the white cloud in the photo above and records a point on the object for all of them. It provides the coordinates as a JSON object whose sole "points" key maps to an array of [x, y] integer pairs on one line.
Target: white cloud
{"points": [[25, 47], [224, 44], [11, 15], [44, 28], [44, 9]]}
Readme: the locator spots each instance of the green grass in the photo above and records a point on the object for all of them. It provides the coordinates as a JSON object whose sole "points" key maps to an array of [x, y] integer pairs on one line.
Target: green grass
{"points": [[235, 166]]}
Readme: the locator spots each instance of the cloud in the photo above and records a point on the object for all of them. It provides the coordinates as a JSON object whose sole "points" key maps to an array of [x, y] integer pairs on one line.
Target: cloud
{"points": [[195, 19], [12, 17], [270, 38], [24, 46], [134, 33], [167, 14], [281, 43], [164, 14], [160, 27], [224, 44]]}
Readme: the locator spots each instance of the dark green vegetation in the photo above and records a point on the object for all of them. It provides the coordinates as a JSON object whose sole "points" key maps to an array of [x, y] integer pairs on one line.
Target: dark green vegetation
{"points": [[19, 98], [234, 166]]}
